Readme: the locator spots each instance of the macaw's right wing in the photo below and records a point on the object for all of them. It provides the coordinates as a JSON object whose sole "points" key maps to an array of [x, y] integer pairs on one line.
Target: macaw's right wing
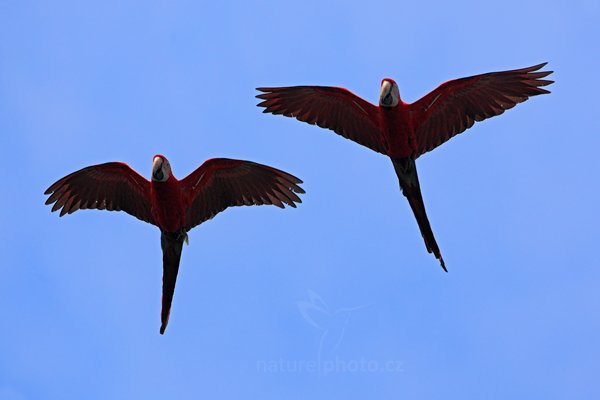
{"points": [[456, 105], [220, 183]]}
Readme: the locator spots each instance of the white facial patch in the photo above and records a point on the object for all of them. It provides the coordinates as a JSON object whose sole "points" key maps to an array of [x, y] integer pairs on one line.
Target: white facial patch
{"points": [[166, 168], [161, 169], [389, 96]]}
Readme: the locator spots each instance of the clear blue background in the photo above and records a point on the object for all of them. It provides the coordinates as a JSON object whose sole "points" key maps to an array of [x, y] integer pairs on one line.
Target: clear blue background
{"points": [[513, 203]]}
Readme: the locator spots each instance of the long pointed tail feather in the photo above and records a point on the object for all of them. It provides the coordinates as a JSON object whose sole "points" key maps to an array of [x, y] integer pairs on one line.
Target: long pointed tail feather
{"points": [[171, 244], [406, 170]]}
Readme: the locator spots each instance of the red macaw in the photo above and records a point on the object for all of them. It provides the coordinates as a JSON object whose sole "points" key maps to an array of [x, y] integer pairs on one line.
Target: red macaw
{"points": [[404, 131], [175, 206]]}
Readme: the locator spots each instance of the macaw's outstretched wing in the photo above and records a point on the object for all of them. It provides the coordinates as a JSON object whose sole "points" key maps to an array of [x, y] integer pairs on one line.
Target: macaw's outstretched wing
{"points": [[456, 105], [333, 108], [220, 183], [112, 186]]}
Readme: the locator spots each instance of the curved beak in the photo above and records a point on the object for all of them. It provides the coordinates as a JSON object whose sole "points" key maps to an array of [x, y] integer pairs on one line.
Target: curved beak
{"points": [[157, 171], [385, 96]]}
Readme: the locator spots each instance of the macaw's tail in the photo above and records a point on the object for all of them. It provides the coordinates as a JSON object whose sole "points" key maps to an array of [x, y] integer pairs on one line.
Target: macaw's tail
{"points": [[171, 244], [406, 170]]}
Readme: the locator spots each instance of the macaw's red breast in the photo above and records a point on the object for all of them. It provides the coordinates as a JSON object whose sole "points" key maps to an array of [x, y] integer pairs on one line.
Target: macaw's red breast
{"points": [[397, 129], [167, 206]]}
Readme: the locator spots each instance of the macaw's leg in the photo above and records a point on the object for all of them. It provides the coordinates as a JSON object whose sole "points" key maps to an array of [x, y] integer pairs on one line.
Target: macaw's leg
{"points": [[406, 170], [171, 244]]}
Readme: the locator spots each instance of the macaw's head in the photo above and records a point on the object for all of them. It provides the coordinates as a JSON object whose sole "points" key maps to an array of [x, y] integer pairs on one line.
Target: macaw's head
{"points": [[161, 169], [390, 94]]}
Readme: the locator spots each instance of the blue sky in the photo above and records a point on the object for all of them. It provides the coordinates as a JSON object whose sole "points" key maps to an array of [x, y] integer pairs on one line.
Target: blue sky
{"points": [[343, 282]]}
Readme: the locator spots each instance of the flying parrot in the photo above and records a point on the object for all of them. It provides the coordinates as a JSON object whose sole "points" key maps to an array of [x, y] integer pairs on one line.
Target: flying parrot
{"points": [[174, 206], [405, 131]]}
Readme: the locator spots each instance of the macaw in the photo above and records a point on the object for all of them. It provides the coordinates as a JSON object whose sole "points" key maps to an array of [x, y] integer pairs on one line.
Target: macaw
{"points": [[174, 206], [405, 131]]}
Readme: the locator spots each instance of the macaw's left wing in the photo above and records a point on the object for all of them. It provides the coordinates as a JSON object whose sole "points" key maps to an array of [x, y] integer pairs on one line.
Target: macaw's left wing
{"points": [[112, 186], [333, 108], [455, 105], [220, 183]]}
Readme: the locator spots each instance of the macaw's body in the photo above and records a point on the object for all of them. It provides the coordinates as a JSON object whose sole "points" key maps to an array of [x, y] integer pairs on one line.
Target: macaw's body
{"points": [[405, 131], [174, 206]]}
